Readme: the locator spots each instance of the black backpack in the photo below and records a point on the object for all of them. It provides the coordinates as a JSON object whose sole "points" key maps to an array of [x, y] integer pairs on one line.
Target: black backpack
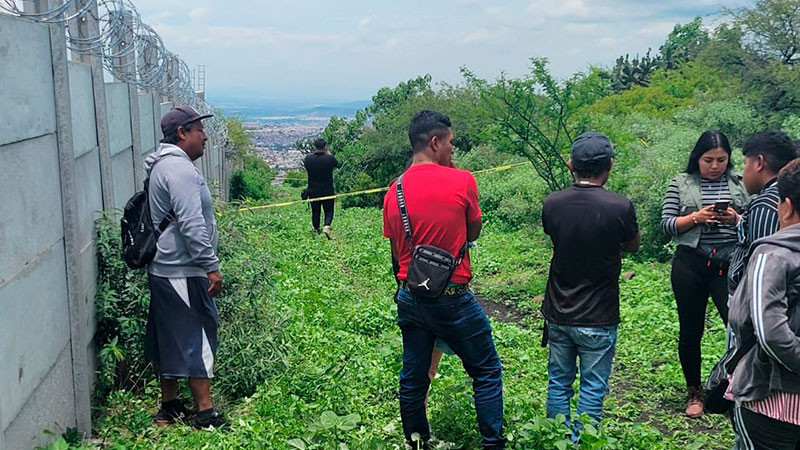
{"points": [[139, 237]]}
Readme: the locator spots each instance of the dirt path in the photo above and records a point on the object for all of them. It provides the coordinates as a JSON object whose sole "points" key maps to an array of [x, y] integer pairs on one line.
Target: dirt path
{"points": [[501, 311]]}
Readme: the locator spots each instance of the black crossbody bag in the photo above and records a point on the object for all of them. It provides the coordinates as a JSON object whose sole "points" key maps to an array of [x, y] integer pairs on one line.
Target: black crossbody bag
{"points": [[431, 267]]}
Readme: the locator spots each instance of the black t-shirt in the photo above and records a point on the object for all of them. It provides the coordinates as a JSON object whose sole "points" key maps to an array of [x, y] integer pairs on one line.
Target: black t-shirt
{"points": [[320, 173], [587, 225]]}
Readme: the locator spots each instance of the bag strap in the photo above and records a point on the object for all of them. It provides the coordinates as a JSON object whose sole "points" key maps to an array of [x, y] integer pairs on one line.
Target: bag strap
{"points": [[730, 366], [401, 205], [170, 215]]}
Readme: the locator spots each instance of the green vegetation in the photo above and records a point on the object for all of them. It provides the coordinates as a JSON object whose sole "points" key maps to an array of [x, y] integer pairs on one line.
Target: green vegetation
{"points": [[737, 78], [310, 353], [253, 181], [329, 367]]}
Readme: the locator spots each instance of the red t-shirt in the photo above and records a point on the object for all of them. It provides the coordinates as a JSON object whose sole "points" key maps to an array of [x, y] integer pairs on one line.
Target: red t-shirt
{"points": [[440, 202]]}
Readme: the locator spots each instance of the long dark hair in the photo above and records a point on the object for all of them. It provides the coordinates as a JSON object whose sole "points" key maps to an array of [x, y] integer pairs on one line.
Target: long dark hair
{"points": [[709, 140]]}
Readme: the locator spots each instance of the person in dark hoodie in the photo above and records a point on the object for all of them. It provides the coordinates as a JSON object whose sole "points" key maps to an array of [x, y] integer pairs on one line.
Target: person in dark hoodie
{"points": [[765, 313], [181, 335]]}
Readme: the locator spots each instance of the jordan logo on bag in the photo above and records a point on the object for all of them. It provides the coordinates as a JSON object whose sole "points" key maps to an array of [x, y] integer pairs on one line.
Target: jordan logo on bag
{"points": [[425, 284]]}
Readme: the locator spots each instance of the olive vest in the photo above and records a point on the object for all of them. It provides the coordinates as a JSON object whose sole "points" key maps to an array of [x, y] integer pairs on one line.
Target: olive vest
{"points": [[692, 201]]}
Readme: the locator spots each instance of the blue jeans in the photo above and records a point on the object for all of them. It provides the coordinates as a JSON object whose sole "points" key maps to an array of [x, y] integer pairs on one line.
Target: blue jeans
{"points": [[460, 322], [595, 347]]}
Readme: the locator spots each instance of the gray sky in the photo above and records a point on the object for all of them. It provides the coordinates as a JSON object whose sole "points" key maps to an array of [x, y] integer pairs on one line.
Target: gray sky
{"points": [[347, 49]]}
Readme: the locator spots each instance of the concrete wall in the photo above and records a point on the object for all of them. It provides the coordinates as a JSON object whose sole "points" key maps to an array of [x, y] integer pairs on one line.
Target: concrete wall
{"points": [[66, 155]]}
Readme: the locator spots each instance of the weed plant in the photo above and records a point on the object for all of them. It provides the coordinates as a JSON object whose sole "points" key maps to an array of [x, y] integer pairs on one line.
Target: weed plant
{"points": [[320, 370]]}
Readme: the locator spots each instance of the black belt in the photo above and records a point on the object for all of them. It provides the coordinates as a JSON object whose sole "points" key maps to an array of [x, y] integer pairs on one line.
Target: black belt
{"points": [[450, 290]]}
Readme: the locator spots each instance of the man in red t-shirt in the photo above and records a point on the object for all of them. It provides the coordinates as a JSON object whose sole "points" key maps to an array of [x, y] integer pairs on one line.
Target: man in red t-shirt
{"points": [[443, 211]]}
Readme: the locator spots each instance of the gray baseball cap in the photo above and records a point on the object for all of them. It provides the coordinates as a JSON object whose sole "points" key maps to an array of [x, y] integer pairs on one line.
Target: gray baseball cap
{"points": [[590, 147], [180, 116]]}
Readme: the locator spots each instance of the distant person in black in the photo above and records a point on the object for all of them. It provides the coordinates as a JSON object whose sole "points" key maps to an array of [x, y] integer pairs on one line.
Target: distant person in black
{"points": [[590, 228], [319, 166]]}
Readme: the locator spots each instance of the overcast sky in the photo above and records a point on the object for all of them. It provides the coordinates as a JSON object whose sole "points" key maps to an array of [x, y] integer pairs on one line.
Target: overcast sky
{"points": [[347, 49]]}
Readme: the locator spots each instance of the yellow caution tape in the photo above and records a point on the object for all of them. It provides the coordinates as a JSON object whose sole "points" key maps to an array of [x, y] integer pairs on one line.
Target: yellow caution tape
{"points": [[366, 191]]}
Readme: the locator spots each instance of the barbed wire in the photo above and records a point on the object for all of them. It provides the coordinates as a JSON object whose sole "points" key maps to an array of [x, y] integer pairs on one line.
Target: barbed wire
{"points": [[129, 49]]}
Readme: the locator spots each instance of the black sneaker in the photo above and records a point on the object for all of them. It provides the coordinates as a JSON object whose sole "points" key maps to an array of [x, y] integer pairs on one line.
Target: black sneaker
{"points": [[171, 412], [209, 419]]}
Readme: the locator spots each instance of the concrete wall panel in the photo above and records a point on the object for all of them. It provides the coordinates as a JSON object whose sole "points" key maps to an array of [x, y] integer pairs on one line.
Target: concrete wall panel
{"points": [[90, 206], [51, 407], [26, 89], [122, 170], [118, 106], [146, 119], [88, 191], [84, 128], [165, 107], [31, 221], [36, 314]]}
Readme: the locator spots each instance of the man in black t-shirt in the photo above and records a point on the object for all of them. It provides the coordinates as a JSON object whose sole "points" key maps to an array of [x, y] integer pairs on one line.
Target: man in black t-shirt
{"points": [[590, 228], [319, 166]]}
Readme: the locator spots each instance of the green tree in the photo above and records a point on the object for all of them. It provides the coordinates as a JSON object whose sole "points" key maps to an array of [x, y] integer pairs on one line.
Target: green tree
{"points": [[533, 117], [771, 28], [240, 139], [387, 98], [684, 43]]}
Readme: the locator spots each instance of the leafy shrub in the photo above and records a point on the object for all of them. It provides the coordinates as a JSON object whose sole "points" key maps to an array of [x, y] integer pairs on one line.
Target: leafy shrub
{"points": [[643, 170], [513, 199], [791, 126], [253, 181], [483, 157], [362, 181], [735, 118], [295, 178], [122, 302], [252, 345]]}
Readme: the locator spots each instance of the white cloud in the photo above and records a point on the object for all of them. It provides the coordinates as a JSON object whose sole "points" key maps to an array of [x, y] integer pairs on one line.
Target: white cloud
{"points": [[158, 16], [198, 14], [276, 45], [559, 8], [392, 43], [365, 21]]}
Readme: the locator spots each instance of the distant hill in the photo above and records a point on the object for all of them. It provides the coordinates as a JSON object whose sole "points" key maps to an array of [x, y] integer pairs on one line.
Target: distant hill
{"points": [[258, 110]]}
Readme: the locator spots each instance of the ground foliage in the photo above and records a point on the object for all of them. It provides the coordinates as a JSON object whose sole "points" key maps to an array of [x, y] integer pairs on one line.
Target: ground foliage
{"points": [[333, 358], [310, 353]]}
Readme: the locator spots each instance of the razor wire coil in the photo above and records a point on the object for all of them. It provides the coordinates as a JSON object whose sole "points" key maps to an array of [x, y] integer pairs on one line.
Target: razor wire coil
{"points": [[131, 50]]}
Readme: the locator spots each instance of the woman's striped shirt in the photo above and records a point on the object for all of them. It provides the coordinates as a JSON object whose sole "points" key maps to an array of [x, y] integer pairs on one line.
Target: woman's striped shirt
{"points": [[712, 192]]}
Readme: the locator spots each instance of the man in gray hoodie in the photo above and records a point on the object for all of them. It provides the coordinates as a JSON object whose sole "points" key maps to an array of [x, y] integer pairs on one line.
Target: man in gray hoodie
{"points": [[765, 313], [181, 336]]}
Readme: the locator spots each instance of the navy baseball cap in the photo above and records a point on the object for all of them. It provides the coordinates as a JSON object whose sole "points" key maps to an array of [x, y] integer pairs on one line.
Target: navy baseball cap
{"points": [[589, 148], [180, 116]]}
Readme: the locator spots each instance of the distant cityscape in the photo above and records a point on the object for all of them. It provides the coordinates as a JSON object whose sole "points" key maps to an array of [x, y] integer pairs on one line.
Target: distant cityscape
{"points": [[275, 128]]}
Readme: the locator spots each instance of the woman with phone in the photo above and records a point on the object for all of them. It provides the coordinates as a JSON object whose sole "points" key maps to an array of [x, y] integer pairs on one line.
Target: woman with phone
{"points": [[700, 212]]}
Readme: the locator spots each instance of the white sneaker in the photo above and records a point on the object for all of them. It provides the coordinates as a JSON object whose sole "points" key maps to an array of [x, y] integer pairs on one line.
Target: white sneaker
{"points": [[327, 231]]}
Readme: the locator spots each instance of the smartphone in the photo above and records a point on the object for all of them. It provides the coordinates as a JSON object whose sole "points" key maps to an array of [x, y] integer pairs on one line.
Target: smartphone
{"points": [[721, 206]]}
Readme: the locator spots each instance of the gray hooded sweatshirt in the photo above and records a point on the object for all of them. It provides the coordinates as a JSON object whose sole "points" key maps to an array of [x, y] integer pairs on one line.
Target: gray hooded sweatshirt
{"points": [[767, 304], [188, 246]]}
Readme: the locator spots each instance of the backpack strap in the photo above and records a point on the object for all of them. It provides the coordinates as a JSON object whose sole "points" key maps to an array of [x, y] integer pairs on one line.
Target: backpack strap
{"points": [[170, 215], [166, 221]]}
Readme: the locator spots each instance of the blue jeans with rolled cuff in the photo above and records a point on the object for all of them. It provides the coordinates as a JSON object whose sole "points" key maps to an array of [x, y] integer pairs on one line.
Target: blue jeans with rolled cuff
{"points": [[595, 348], [460, 322]]}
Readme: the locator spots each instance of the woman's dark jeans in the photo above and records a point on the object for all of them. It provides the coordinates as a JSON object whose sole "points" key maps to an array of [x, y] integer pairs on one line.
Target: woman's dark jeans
{"points": [[461, 323]]}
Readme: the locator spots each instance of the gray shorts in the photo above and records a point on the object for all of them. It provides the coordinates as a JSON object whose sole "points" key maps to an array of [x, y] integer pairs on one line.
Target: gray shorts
{"points": [[181, 336]]}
